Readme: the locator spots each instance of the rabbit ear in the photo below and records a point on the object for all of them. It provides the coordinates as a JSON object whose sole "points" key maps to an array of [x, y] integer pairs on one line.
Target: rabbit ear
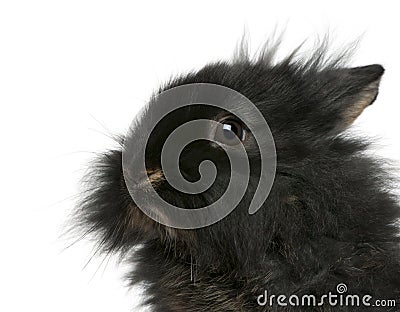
{"points": [[347, 92]]}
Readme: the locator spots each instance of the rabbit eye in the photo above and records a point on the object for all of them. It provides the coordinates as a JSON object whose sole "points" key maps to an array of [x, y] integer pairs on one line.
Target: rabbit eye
{"points": [[228, 130]]}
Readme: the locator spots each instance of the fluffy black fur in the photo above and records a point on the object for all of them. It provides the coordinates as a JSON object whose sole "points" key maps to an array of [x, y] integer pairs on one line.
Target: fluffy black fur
{"points": [[329, 219]]}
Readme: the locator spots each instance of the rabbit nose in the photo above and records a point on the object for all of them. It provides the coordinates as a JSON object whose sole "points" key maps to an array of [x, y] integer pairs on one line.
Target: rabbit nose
{"points": [[155, 175], [151, 178]]}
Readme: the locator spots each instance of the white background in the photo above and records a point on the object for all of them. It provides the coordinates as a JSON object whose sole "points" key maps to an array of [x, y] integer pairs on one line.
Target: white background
{"points": [[72, 72]]}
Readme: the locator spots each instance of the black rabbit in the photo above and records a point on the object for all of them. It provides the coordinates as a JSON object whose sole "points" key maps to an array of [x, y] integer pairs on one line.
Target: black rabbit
{"points": [[330, 217]]}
